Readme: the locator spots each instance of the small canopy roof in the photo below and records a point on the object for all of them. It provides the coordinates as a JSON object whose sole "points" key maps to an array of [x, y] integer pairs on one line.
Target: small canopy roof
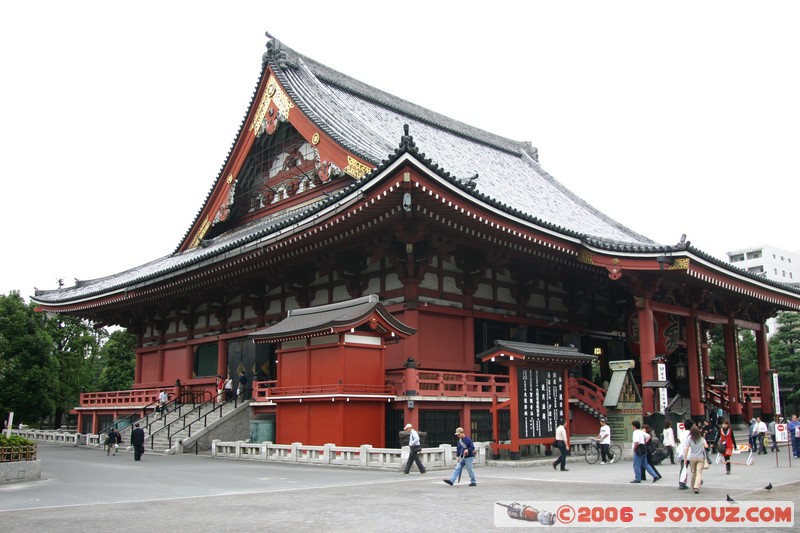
{"points": [[335, 318], [553, 356]]}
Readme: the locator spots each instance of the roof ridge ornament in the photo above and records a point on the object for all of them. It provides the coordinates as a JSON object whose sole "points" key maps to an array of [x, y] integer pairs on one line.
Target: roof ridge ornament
{"points": [[277, 54], [407, 141]]}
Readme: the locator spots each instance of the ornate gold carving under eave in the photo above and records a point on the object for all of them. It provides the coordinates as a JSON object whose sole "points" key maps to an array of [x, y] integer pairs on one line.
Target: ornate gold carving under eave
{"points": [[356, 168], [586, 257], [274, 93], [680, 264], [201, 233]]}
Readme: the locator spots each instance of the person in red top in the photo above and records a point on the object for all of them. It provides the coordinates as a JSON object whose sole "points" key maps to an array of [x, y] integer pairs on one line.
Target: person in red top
{"points": [[725, 443]]}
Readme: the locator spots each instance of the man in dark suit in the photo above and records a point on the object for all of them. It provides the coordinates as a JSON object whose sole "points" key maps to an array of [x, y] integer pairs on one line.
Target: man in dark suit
{"points": [[137, 441]]}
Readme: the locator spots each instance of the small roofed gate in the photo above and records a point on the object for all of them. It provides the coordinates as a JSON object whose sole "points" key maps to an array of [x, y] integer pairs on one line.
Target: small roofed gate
{"points": [[539, 395], [332, 372]]}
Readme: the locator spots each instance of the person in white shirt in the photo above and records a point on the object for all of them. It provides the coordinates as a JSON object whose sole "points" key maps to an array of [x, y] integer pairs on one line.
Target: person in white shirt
{"points": [[761, 432], [603, 443], [639, 447], [415, 447], [682, 456], [563, 445], [163, 399], [668, 440]]}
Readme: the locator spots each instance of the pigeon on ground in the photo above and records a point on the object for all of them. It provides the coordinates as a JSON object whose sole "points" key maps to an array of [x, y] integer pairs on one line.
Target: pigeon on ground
{"points": [[729, 498], [769, 487]]}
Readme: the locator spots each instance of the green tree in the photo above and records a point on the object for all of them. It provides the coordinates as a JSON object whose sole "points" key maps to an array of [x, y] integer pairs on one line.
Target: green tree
{"points": [[784, 350], [748, 358], [76, 345], [118, 361], [29, 368]]}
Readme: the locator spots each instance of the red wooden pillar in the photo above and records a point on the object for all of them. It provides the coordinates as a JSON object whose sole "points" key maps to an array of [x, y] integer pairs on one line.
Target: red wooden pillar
{"points": [[137, 378], [647, 351], [732, 362], [160, 363], [468, 342], [693, 354], [764, 374], [222, 358]]}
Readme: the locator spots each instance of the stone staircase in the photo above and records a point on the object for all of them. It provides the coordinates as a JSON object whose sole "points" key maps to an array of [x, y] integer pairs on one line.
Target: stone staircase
{"points": [[163, 433]]}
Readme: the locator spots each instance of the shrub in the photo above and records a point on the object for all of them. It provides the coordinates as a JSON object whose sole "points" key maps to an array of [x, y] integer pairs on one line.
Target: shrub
{"points": [[14, 441]]}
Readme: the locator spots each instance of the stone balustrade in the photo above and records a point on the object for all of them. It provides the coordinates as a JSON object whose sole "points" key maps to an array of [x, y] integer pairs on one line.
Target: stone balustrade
{"points": [[364, 456]]}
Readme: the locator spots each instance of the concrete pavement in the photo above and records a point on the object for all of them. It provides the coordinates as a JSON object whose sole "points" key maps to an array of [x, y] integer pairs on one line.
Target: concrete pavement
{"points": [[83, 489]]}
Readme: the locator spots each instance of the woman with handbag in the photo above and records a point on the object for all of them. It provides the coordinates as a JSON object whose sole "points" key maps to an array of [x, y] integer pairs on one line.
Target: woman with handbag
{"points": [[725, 443]]}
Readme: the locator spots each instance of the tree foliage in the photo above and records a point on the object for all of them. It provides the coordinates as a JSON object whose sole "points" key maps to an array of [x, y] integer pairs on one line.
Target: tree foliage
{"points": [[118, 362], [30, 369], [784, 349], [46, 361]]}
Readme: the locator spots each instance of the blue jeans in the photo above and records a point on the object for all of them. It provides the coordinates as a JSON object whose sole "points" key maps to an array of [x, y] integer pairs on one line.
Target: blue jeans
{"points": [[466, 462], [638, 462]]}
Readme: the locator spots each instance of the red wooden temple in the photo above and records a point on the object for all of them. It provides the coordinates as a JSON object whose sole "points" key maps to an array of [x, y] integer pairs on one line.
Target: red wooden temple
{"points": [[334, 190]]}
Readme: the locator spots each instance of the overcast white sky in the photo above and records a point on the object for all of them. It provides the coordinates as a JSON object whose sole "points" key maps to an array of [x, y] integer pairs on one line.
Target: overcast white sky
{"points": [[671, 117]]}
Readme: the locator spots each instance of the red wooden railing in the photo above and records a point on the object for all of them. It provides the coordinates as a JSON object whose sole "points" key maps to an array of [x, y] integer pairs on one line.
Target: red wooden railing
{"points": [[454, 384], [587, 392], [119, 398], [717, 395], [332, 388]]}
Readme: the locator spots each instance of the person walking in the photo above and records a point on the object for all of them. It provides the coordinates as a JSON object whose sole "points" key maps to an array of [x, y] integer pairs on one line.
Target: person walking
{"points": [[604, 442], [651, 443], [137, 441], [112, 439], [773, 447], [683, 438], [163, 400], [761, 432], [228, 386], [668, 440], [562, 443], [465, 450], [242, 385], [414, 447], [725, 444], [753, 434], [794, 436], [696, 452], [639, 447], [218, 386]]}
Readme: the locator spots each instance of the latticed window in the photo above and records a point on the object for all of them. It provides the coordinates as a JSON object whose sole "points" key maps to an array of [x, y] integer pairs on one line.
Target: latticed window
{"points": [[278, 166]]}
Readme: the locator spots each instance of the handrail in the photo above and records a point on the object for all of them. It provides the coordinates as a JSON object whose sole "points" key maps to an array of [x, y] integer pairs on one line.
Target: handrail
{"points": [[130, 418], [169, 427], [588, 393]]}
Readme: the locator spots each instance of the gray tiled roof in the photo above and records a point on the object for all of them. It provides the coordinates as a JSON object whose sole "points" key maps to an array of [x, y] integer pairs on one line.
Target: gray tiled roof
{"points": [[329, 318], [369, 123]]}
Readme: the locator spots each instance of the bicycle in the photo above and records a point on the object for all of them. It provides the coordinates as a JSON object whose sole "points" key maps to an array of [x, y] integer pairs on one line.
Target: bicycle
{"points": [[592, 453]]}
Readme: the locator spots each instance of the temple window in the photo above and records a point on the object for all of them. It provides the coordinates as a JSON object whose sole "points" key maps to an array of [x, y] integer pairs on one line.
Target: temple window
{"points": [[277, 167], [205, 360]]}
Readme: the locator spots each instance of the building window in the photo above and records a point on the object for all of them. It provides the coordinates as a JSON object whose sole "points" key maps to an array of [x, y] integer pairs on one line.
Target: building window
{"points": [[754, 255], [784, 273], [736, 258], [781, 258], [776, 271], [205, 360], [756, 270], [773, 256]]}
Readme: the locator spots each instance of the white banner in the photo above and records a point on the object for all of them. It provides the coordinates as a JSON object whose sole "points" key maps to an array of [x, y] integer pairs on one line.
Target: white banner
{"points": [[776, 393]]}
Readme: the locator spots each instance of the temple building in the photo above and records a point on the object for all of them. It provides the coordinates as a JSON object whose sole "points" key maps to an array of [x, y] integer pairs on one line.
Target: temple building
{"points": [[357, 254]]}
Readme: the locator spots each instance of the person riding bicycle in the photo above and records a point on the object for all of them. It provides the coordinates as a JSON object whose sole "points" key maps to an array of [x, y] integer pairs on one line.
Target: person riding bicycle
{"points": [[603, 441]]}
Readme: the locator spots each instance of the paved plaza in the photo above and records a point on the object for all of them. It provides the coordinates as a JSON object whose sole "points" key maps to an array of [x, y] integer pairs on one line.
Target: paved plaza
{"points": [[85, 490]]}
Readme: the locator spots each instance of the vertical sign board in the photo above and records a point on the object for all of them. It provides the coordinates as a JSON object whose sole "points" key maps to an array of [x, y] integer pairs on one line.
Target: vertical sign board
{"points": [[540, 397], [776, 393], [662, 391]]}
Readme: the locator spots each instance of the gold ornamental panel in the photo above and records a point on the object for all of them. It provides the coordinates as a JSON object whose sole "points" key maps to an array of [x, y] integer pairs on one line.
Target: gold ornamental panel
{"points": [[356, 168]]}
